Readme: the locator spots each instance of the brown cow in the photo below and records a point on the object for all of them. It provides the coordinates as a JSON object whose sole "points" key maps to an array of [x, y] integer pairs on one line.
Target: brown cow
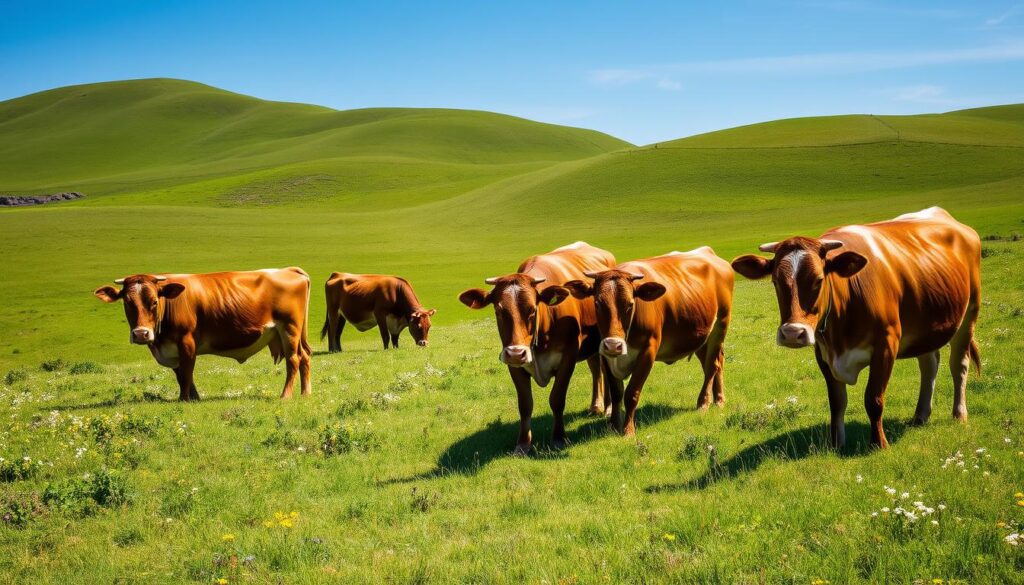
{"points": [[544, 332], [685, 302], [867, 295], [231, 314], [372, 299]]}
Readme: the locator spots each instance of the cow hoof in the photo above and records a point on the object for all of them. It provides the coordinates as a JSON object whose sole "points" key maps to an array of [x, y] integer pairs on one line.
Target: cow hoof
{"points": [[720, 403], [560, 443], [960, 416], [522, 451], [919, 421], [596, 411]]}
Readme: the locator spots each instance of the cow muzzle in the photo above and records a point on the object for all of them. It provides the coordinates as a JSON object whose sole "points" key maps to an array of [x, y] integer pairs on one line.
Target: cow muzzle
{"points": [[613, 347], [142, 336], [422, 343], [795, 335], [516, 356]]}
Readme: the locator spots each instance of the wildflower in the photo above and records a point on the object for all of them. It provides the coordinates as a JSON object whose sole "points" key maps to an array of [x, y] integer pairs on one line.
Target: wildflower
{"points": [[1000, 524], [935, 522], [885, 510], [937, 581], [1018, 495], [228, 537], [668, 537], [1020, 503], [221, 581], [904, 495], [942, 506], [860, 478], [890, 491], [874, 514], [980, 450], [1007, 440], [1014, 539]]}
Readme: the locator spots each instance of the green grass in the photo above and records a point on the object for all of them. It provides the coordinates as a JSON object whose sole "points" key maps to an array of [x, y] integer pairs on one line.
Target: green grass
{"points": [[419, 485]]}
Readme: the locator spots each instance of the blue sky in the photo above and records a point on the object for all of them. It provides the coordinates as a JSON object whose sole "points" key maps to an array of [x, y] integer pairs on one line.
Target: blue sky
{"points": [[643, 71]]}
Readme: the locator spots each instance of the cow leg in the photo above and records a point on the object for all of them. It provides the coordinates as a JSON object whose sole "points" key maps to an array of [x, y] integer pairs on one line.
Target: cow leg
{"points": [[716, 353], [613, 386], [335, 325], [556, 400], [836, 401], [524, 396], [186, 366], [704, 397], [641, 371], [305, 361], [960, 359], [929, 366], [394, 340], [600, 401], [882, 360], [291, 344], [382, 327]]}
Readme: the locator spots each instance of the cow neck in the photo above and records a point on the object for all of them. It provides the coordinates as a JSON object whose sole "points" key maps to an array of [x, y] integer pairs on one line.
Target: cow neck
{"points": [[825, 324], [163, 310], [409, 303], [535, 342]]}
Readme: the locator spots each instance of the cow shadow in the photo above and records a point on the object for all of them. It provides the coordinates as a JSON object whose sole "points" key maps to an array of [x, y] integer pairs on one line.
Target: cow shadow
{"points": [[793, 445], [497, 439], [159, 399]]}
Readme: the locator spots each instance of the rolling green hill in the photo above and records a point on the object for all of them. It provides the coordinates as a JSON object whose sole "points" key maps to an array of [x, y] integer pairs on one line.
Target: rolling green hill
{"points": [[398, 463], [134, 135]]}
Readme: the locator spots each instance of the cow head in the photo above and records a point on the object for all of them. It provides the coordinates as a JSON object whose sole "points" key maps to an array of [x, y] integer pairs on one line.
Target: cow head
{"points": [[616, 293], [419, 325], [516, 301], [141, 294], [798, 270]]}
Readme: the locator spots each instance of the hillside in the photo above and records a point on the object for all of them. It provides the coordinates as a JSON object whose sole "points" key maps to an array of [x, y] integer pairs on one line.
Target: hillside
{"points": [[124, 136]]}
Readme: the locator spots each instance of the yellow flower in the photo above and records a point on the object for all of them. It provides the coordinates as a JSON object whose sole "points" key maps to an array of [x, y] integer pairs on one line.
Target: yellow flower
{"points": [[1018, 495], [228, 537], [267, 523], [296, 514], [222, 581], [668, 537], [1020, 503], [286, 523], [1000, 524], [937, 581]]}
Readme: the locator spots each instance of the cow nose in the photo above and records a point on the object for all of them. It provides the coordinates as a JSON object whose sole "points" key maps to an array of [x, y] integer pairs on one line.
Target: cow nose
{"points": [[515, 355], [795, 335], [142, 335], [614, 346], [422, 343]]}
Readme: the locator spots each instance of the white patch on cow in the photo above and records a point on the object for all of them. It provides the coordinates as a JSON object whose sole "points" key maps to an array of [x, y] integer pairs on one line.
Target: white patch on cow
{"points": [[693, 252], [544, 366], [268, 270], [846, 366], [794, 259], [137, 288], [622, 366], [166, 354]]}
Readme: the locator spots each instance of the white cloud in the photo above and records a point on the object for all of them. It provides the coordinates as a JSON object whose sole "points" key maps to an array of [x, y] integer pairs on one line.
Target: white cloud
{"points": [[668, 84], [1000, 19], [809, 64], [923, 93]]}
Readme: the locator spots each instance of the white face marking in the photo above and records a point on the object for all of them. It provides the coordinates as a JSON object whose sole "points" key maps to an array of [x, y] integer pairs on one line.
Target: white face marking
{"points": [[794, 260]]}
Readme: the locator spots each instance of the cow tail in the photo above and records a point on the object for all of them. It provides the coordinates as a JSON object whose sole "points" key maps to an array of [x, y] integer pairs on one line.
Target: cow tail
{"points": [[975, 354], [305, 322]]}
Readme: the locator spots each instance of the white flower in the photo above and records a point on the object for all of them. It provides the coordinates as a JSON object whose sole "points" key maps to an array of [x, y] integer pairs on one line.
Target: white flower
{"points": [[1007, 440], [860, 478], [979, 451], [935, 522], [910, 516], [1014, 539], [942, 506], [791, 400], [904, 495], [885, 510], [890, 491], [874, 514]]}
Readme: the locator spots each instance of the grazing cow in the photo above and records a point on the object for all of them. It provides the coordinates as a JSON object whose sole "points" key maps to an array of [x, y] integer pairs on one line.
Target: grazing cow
{"points": [[867, 295], [544, 331], [231, 314], [372, 299], [661, 309]]}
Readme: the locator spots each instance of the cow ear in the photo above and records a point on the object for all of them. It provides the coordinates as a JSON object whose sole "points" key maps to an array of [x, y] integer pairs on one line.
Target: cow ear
{"points": [[475, 298], [579, 289], [172, 290], [846, 264], [752, 266], [554, 295], [430, 312], [107, 294], [649, 291]]}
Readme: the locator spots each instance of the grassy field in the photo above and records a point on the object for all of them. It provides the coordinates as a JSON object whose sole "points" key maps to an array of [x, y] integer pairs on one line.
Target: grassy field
{"points": [[397, 468]]}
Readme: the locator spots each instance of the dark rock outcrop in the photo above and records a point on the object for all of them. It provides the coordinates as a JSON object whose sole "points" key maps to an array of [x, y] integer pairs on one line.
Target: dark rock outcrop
{"points": [[18, 200]]}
